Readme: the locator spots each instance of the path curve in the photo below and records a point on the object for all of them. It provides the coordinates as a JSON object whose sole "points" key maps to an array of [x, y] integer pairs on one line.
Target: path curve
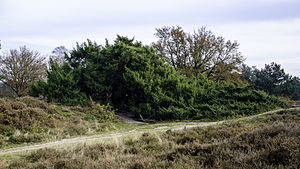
{"points": [[83, 139], [127, 119]]}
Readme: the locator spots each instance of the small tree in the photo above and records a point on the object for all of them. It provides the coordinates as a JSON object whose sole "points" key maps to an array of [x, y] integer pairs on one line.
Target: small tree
{"points": [[200, 53], [19, 68]]}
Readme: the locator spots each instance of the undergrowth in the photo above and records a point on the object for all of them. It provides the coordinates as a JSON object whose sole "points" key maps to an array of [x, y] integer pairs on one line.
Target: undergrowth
{"points": [[29, 120], [271, 141]]}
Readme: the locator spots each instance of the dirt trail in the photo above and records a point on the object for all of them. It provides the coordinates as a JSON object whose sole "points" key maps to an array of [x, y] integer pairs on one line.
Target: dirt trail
{"points": [[99, 137], [129, 119]]}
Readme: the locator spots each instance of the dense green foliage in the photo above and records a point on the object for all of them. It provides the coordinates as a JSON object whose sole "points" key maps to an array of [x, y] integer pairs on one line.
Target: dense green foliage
{"points": [[61, 86], [296, 84], [133, 78], [273, 80]]}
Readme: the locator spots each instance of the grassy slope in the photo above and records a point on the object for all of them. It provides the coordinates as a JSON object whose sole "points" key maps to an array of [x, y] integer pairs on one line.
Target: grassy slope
{"points": [[123, 131], [270, 141], [27, 120]]}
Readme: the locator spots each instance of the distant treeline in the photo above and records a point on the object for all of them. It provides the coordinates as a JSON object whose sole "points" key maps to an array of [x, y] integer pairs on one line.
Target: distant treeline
{"points": [[273, 80]]}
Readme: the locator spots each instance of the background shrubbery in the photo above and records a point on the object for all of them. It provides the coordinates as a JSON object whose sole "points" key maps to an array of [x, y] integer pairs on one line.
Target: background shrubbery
{"points": [[273, 80], [133, 78]]}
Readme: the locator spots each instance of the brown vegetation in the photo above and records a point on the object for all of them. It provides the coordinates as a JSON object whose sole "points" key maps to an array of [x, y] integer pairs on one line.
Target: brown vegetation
{"points": [[271, 141], [27, 120], [295, 103], [200, 52], [20, 68]]}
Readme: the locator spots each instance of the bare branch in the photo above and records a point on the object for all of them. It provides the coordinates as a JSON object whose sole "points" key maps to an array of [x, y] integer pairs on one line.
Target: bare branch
{"points": [[19, 68]]}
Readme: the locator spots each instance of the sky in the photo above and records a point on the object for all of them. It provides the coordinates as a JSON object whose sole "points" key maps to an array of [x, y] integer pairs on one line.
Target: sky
{"points": [[267, 30]]}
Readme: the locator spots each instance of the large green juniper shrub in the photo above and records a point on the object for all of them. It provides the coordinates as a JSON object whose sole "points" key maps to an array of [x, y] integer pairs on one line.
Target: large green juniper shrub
{"points": [[133, 78], [61, 86]]}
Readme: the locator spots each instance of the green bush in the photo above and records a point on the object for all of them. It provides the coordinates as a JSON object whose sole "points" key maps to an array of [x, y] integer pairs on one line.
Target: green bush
{"points": [[133, 78], [102, 112], [89, 117], [61, 86]]}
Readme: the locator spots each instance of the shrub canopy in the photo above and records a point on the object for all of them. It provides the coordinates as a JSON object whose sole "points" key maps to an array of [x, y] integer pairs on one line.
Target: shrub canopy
{"points": [[133, 78]]}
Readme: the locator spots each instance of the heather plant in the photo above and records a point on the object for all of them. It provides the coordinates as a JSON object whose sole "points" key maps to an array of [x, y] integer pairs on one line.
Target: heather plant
{"points": [[28, 120], [1, 140], [103, 113], [271, 141]]}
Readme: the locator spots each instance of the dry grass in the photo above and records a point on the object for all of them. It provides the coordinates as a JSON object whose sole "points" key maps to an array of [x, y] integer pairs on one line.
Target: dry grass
{"points": [[266, 142], [30, 120], [293, 103]]}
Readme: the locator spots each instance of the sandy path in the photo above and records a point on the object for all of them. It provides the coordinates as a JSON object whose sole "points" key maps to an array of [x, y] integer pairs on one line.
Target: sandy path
{"points": [[204, 124], [127, 119], [84, 139], [80, 139]]}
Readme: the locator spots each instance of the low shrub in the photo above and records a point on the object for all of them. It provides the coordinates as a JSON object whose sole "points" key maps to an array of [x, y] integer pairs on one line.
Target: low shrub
{"points": [[28, 119], [65, 111], [19, 137], [45, 154], [102, 112], [19, 116], [75, 129], [19, 165], [32, 102], [1, 140], [89, 117], [268, 142]]}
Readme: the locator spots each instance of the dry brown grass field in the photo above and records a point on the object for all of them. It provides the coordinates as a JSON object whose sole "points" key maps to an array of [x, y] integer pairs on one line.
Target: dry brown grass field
{"points": [[269, 141]]}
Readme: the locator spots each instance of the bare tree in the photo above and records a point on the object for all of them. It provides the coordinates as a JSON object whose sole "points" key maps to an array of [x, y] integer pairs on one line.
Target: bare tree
{"points": [[19, 68], [200, 52], [58, 54]]}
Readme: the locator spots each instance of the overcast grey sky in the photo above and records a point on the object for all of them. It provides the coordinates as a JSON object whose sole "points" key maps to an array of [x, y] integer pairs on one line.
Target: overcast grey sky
{"points": [[267, 30]]}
